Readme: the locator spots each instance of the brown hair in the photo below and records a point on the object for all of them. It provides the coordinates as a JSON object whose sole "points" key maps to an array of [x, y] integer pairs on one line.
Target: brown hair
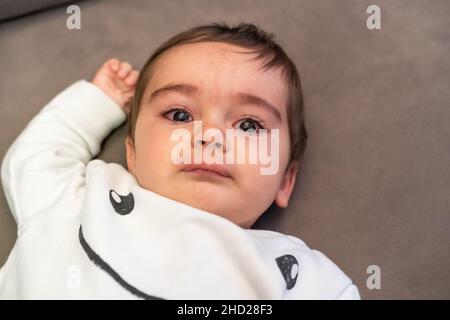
{"points": [[246, 36]]}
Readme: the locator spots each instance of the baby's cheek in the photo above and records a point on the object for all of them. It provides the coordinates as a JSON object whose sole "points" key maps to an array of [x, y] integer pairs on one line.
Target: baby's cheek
{"points": [[253, 179], [261, 189], [158, 152], [156, 140]]}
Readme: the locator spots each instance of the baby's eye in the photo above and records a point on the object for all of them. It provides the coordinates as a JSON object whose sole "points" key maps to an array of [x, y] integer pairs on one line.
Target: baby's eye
{"points": [[178, 115], [250, 126]]}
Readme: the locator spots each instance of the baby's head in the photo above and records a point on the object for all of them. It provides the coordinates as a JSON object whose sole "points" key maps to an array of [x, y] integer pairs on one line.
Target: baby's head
{"points": [[227, 78]]}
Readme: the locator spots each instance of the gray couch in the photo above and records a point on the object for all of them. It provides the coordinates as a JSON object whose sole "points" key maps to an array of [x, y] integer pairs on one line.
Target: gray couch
{"points": [[374, 188]]}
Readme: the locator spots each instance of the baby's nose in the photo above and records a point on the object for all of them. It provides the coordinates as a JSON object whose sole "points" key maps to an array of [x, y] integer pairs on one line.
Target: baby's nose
{"points": [[209, 132], [216, 144]]}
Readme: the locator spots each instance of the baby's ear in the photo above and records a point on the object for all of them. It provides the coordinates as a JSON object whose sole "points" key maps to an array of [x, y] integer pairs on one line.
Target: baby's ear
{"points": [[129, 146], [287, 185]]}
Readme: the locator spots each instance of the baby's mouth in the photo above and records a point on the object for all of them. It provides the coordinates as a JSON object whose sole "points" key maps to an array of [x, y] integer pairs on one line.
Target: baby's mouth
{"points": [[212, 170]]}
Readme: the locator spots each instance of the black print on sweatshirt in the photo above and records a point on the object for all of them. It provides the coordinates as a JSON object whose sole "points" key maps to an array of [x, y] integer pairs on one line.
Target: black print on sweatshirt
{"points": [[103, 265], [123, 205], [288, 265]]}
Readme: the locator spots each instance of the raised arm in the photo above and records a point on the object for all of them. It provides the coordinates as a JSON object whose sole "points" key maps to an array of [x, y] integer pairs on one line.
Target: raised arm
{"points": [[47, 161]]}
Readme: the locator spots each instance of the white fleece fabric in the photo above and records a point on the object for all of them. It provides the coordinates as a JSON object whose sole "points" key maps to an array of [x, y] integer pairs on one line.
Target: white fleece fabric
{"points": [[87, 230]]}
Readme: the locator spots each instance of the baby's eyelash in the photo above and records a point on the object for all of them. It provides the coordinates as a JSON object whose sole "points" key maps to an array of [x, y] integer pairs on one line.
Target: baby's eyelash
{"points": [[171, 108], [175, 107], [253, 118]]}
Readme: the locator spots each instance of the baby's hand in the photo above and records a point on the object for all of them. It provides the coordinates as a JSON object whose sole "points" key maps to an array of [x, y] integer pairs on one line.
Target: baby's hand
{"points": [[118, 80]]}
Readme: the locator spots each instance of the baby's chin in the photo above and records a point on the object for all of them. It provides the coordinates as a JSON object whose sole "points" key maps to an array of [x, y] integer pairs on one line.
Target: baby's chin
{"points": [[206, 196], [216, 195], [213, 198]]}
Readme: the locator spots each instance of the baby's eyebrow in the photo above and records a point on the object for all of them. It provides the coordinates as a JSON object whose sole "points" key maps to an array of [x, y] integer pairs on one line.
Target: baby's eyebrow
{"points": [[185, 89], [240, 97], [247, 98]]}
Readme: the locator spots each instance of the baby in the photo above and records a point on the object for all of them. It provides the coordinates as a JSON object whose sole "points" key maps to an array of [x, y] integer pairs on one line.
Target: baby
{"points": [[165, 229]]}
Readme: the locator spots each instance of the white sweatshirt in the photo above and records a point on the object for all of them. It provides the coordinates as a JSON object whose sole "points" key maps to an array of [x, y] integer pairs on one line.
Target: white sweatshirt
{"points": [[87, 230]]}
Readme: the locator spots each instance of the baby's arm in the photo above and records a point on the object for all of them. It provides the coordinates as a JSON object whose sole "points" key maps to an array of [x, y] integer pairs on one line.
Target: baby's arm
{"points": [[46, 163]]}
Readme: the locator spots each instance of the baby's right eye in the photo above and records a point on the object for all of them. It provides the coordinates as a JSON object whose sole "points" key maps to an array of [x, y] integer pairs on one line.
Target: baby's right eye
{"points": [[178, 115]]}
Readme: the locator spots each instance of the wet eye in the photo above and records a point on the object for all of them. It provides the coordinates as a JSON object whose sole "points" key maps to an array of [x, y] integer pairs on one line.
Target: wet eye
{"points": [[250, 126], [178, 115]]}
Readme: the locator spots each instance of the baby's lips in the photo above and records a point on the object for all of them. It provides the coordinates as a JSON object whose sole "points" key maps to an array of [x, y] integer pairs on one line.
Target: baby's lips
{"points": [[216, 168]]}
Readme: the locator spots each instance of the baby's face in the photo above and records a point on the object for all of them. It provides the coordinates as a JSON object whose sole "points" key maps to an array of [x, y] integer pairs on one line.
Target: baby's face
{"points": [[220, 73]]}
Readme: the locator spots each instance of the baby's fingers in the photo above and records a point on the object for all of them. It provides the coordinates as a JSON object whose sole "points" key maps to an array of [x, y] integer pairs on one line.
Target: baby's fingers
{"points": [[113, 64], [125, 69], [132, 78]]}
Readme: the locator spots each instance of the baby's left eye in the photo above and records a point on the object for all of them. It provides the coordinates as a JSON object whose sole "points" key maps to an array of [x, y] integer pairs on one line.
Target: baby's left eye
{"points": [[249, 125]]}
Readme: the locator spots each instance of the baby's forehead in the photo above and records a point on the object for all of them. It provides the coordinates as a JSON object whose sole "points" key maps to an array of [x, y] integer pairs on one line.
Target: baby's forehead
{"points": [[218, 69], [203, 58]]}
